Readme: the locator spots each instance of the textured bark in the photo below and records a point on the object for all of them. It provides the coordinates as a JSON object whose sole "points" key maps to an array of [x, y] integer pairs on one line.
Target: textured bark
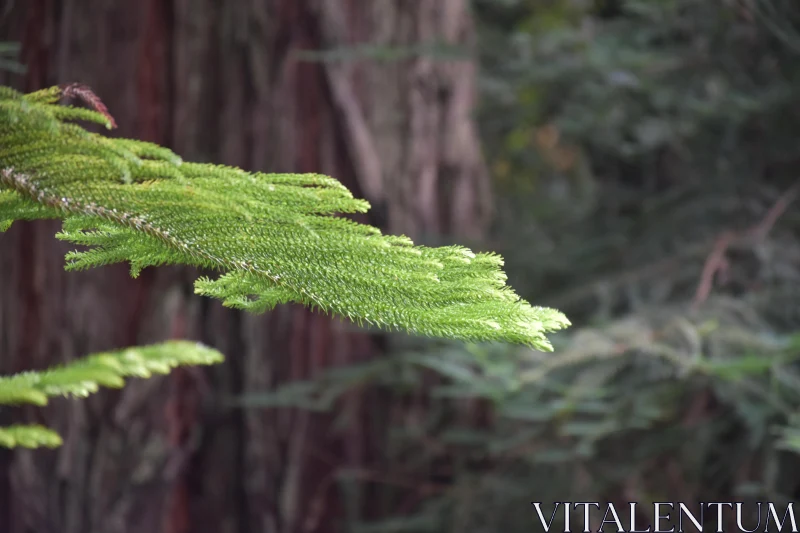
{"points": [[222, 82]]}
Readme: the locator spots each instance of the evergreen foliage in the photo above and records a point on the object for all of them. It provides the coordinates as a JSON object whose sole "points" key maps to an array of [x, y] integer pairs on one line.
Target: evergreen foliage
{"points": [[85, 376], [271, 235]]}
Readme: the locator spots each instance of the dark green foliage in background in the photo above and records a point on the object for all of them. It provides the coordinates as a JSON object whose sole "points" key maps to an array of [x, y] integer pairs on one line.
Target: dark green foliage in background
{"points": [[631, 136]]}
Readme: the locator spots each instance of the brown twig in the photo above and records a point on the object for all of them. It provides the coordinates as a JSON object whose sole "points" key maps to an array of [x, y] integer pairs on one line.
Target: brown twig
{"points": [[760, 230], [718, 263], [86, 95]]}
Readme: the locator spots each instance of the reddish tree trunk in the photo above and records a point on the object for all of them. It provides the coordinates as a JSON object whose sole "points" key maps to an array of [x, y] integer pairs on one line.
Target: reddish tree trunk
{"points": [[224, 82]]}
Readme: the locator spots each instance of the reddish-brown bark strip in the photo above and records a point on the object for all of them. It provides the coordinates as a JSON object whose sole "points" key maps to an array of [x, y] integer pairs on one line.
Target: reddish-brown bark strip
{"points": [[153, 71]]}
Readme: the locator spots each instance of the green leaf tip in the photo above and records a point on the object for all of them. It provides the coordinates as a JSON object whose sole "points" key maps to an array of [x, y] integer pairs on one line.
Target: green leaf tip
{"points": [[273, 237], [108, 369], [32, 436], [85, 376]]}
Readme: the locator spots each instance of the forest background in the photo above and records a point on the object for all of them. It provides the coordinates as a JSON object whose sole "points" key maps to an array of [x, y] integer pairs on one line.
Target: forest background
{"points": [[634, 162]]}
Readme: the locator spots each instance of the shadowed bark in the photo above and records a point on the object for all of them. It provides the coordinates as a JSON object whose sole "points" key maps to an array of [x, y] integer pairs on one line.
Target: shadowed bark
{"points": [[226, 82]]}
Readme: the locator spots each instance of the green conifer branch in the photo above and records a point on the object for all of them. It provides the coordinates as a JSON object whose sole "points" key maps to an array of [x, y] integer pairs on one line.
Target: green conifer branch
{"points": [[271, 236], [85, 376], [108, 369], [29, 436]]}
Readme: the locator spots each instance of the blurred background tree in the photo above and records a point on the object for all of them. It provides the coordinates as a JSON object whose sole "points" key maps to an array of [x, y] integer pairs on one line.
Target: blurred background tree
{"points": [[239, 83], [642, 156]]}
